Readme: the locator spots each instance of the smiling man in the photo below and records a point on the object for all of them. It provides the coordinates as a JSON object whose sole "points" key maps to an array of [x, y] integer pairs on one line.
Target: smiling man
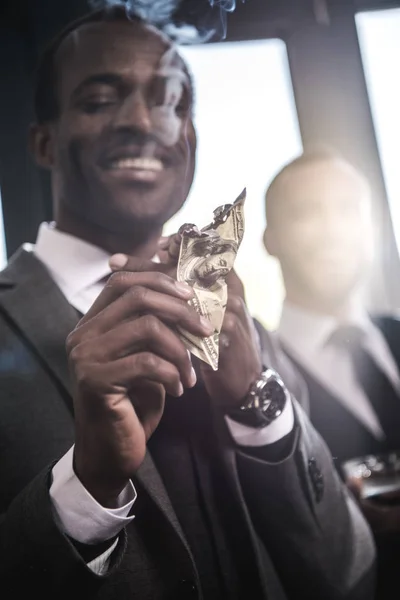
{"points": [[126, 470], [115, 129]]}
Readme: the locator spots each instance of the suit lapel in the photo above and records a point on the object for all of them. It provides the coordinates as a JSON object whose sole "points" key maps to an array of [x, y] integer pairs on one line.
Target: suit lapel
{"points": [[390, 328], [149, 478], [37, 308]]}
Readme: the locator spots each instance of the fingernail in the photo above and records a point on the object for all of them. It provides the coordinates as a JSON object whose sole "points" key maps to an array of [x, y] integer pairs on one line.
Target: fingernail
{"points": [[184, 288], [193, 377], [180, 390], [207, 325], [118, 261]]}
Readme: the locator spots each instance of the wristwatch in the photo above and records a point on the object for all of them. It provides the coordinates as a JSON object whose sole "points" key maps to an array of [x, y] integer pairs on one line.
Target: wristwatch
{"points": [[264, 402]]}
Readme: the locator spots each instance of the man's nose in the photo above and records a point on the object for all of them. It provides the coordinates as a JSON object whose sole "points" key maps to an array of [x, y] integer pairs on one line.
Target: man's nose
{"points": [[134, 113]]}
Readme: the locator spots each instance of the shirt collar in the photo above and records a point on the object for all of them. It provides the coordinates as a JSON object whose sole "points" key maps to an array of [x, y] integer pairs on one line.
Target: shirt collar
{"points": [[74, 264], [307, 331]]}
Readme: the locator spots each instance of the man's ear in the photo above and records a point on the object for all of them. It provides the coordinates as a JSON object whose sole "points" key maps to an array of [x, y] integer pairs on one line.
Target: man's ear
{"points": [[41, 144], [269, 240]]}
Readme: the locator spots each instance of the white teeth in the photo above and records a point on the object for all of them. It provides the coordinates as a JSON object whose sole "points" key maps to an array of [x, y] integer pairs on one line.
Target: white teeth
{"points": [[140, 163]]}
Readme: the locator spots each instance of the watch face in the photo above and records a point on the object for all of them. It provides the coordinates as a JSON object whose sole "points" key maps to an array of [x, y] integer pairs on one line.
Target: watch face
{"points": [[267, 401], [272, 394]]}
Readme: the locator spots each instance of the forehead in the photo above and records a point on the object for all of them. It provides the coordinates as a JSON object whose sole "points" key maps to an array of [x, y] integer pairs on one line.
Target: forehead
{"points": [[124, 48], [325, 181]]}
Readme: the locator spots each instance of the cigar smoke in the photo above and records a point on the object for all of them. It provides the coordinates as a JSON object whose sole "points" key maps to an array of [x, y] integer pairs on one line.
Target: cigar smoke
{"points": [[184, 21]]}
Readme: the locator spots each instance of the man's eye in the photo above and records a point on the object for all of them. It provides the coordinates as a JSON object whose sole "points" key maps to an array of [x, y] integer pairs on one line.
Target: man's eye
{"points": [[95, 106]]}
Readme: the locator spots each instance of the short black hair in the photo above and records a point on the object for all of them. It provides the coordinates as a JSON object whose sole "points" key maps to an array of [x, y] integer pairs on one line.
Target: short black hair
{"points": [[46, 105]]}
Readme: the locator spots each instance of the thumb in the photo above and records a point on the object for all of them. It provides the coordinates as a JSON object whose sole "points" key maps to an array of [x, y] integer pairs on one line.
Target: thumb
{"points": [[123, 262]]}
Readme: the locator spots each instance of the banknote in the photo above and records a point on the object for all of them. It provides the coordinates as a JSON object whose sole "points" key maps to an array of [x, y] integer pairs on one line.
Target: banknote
{"points": [[205, 259]]}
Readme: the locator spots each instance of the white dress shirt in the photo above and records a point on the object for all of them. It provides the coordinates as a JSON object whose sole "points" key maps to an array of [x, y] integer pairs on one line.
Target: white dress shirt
{"points": [[305, 335], [78, 267]]}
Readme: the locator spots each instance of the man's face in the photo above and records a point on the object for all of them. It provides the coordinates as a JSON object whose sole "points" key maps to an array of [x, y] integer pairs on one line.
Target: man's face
{"points": [[323, 230], [124, 151]]}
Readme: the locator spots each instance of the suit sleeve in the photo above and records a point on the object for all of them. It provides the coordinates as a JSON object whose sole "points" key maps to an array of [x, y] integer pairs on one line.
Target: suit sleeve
{"points": [[305, 516], [36, 556]]}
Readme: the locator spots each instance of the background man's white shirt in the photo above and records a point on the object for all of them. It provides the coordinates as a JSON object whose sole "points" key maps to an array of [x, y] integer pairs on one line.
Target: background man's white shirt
{"points": [[305, 336]]}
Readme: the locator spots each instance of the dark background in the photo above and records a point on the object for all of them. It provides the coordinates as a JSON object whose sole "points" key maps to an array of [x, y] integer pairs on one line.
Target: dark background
{"points": [[328, 81]]}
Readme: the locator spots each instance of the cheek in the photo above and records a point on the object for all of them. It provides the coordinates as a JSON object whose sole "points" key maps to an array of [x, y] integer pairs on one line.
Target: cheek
{"points": [[166, 125], [188, 137], [298, 238], [73, 155]]}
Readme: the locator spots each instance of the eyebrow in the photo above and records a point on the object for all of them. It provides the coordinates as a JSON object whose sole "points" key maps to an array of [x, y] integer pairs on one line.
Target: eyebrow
{"points": [[101, 78]]}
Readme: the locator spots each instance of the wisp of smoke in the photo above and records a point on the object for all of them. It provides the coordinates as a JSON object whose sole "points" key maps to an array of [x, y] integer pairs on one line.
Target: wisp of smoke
{"points": [[183, 21]]}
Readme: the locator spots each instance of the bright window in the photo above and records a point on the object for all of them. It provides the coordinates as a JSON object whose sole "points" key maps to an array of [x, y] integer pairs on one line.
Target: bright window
{"points": [[379, 35], [247, 129]]}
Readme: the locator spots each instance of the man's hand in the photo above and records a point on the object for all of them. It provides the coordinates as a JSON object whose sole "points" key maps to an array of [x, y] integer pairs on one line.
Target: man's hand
{"points": [[124, 356], [382, 518], [239, 355]]}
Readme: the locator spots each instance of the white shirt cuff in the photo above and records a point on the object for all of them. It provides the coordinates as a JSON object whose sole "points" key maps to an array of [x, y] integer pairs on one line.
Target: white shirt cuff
{"points": [[79, 514], [275, 431]]}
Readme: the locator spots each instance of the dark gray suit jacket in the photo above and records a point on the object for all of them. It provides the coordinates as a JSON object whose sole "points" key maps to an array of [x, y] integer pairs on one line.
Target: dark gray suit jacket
{"points": [[302, 534]]}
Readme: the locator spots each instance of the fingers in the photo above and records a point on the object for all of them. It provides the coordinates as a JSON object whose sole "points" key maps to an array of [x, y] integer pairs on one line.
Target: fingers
{"points": [[123, 262], [135, 324], [169, 248], [120, 282], [146, 334], [235, 285], [127, 373], [139, 300], [236, 306]]}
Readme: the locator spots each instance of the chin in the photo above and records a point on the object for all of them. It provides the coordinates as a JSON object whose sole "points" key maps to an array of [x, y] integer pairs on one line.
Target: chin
{"points": [[333, 296], [159, 208], [126, 215]]}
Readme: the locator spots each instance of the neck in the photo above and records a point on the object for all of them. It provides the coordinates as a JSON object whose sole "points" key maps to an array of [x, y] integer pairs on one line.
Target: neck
{"points": [[327, 307], [140, 241]]}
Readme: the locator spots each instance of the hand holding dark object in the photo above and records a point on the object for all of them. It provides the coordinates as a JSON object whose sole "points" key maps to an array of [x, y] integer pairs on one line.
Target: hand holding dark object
{"points": [[124, 357], [382, 513]]}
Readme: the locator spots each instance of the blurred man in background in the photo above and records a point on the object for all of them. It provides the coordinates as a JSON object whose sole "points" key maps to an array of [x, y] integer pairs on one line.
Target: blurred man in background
{"points": [[320, 228]]}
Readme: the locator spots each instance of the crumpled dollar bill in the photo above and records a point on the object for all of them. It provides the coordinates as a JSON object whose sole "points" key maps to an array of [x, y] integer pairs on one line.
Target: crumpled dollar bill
{"points": [[205, 259]]}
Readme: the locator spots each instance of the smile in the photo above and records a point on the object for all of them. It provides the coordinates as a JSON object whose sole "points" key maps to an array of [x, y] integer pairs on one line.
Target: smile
{"points": [[139, 163], [146, 169]]}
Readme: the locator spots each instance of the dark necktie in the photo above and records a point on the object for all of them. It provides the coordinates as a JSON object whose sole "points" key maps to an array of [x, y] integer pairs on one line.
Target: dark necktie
{"points": [[376, 385]]}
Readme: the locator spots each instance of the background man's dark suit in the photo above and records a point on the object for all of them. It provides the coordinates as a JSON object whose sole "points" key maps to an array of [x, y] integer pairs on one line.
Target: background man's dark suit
{"points": [[345, 435], [294, 505], [347, 438]]}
